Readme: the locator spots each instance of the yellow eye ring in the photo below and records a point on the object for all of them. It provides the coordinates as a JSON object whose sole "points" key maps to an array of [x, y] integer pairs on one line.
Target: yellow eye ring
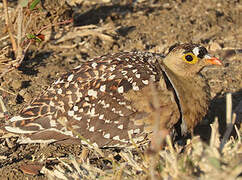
{"points": [[190, 58]]}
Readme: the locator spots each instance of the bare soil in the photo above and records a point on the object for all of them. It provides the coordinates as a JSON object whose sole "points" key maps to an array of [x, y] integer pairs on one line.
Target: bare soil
{"points": [[120, 26]]}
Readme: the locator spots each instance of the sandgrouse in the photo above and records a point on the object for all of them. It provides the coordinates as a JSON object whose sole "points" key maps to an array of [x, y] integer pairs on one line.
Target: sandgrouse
{"points": [[108, 100]]}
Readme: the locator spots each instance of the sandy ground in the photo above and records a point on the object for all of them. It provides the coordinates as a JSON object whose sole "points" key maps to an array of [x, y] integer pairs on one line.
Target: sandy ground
{"points": [[105, 28]]}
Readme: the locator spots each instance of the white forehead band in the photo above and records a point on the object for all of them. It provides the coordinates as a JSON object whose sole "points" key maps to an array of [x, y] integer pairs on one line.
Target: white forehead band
{"points": [[207, 56], [195, 51]]}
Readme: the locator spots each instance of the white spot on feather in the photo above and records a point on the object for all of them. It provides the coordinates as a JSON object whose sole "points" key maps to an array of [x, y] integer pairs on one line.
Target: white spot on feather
{"points": [[75, 108], [121, 89], [120, 113], [111, 77], [124, 141], [95, 144], [92, 111], [137, 131], [103, 88], [70, 77], [116, 138], [130, 79], [135, 87], [124, 72], [145, 82], [17, 130], [78, 118], [93, 93], [16, 118], [106, 106], [107, 136], [152, 77], [70, 113], [122, 103], [94, 65], [134, 70], [52, 103], [131, 132], [138, 139], [121, 126], [91, 129], [107, 121], [137, 75], [52, 123], [112, 68]]}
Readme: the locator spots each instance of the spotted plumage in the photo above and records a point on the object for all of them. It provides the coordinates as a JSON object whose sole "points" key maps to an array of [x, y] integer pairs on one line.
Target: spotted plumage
{"points": [[108, 99]]}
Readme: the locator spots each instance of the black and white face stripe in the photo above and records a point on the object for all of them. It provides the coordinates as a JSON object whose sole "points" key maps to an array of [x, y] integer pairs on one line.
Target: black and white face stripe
{"points": [[200, 52], [197, 50]]}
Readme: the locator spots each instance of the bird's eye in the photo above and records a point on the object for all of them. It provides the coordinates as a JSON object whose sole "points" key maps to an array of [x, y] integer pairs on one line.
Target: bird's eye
{"points": [[190, 58]]}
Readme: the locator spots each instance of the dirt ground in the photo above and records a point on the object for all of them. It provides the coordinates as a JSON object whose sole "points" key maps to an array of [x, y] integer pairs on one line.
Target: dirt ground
{"points": [[101, 28]]}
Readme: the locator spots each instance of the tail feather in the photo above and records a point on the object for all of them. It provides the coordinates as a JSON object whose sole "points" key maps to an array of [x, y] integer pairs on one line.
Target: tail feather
{"points": [[31, 131]]}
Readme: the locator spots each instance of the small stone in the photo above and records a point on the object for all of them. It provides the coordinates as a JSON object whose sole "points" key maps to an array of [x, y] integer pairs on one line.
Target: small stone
{"points": [[214, 46], [32, 169], [166, 5], [16, 84], [22, 92], [27, 97]]}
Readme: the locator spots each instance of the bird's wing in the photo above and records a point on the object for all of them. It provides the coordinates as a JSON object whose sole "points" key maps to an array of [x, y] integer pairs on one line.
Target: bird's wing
{"points": [[103, 100]]}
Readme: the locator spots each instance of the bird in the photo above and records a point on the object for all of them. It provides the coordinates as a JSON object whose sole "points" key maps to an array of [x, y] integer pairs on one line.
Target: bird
{"points": [[107, 101]]}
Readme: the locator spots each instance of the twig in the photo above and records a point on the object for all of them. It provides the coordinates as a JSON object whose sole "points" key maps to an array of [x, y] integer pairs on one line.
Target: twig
{"points": [[238, 133], [156, 140], [1, 89], [230, 120], [56, 24], [19, 32], [159, 129], [9, 26], [5, 112], [214, 133], [3, 38], [22, 55]]}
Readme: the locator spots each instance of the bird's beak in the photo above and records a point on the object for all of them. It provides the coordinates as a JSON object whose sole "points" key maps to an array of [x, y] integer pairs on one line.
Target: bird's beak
{"points": [[213, 60]]}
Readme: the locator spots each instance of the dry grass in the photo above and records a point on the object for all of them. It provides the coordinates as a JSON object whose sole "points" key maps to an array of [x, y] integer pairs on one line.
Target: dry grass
{"points": [[195, 160], [220, 159]]}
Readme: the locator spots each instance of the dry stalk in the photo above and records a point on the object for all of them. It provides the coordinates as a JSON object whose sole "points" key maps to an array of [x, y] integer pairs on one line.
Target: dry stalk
{"points": [[9, 26], [19, 31], [230, 120], [2, 105], [157, 138], [19, 54], [214, 133], [55, 24]]}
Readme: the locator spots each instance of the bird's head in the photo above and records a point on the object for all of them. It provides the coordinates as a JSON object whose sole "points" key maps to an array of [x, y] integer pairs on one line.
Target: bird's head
{"points": [[189, 59]]}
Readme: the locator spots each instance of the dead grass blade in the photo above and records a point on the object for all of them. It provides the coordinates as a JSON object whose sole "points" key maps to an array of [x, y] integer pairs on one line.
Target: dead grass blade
{"points": [[230, 120], [89, 30]]}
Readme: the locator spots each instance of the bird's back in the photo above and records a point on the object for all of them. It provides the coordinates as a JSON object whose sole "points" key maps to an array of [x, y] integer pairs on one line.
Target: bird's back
{"points": [[103, 100]]}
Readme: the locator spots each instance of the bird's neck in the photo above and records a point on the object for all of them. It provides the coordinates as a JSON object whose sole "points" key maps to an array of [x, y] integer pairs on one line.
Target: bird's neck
{"points": [[193, 97]]}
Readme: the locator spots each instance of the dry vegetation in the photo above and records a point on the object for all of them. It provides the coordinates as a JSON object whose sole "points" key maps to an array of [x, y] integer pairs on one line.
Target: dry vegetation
{"points": [[28, 64]]}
